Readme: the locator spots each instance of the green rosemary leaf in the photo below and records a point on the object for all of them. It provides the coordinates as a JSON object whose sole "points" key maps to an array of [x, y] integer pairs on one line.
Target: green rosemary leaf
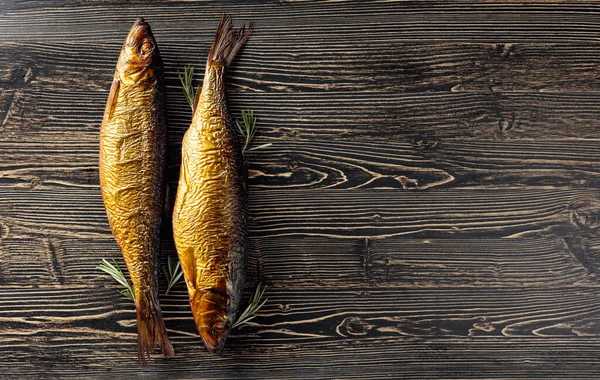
{"points": [[256, 302], [114, 270], [247, 129], [127, 293], [247, 323], [187, 82], [259, 147], [173, 273]]}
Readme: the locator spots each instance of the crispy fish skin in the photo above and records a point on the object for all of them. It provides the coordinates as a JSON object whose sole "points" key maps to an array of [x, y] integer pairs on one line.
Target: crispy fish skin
{"points": [[132, 162], [210, 213]]}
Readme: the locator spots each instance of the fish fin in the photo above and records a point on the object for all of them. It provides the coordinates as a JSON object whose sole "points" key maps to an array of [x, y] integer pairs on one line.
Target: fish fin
{"points": [[196, 99], [113, 96], [228, 41], [188, 266], [151, 332]]}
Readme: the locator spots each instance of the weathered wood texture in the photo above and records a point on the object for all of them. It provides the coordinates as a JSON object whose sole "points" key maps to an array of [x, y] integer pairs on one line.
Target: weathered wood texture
{"points": [[429, 208]]}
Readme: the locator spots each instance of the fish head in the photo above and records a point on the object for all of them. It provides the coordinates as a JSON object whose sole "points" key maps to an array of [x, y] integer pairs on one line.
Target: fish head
{"points": [[212, 320], [139, 59]]}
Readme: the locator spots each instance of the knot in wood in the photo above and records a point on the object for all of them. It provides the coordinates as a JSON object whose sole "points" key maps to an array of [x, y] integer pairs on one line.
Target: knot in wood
{"points": [[585, 214], [354, 326]]}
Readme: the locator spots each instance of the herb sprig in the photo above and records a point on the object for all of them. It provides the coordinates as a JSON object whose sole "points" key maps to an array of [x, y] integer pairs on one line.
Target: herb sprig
{"points": [[187, 82], [247, 129], [173, 273], [117, 274], [246, 126], [256, 302]]}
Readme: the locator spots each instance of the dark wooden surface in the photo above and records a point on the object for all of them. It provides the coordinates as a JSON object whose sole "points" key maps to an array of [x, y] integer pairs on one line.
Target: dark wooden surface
{"points": [[429, 208]]}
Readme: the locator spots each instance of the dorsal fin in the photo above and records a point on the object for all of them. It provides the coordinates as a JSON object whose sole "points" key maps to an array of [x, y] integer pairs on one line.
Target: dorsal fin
{"points": [[113, 96]]}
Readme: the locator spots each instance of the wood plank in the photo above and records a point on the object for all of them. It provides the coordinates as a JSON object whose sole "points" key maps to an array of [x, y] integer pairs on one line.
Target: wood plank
{"points": [[333, 263], [424, 165], [388, 21], [31, 165], [519, 359], [33, 91], [357, 214], [525, 330], [435, 263], [346, 115], [425, 116], [330, 315], [565, 253], [290, 66], [450, 213], [320, 164]]}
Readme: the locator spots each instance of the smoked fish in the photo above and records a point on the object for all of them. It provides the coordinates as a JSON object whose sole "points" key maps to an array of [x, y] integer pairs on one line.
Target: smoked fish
{"points": [[132, 163], [210, 213]]}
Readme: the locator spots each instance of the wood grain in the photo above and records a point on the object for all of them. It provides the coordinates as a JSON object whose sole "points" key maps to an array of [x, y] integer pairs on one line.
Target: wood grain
{"points": [[295, 67], [381, 116], [429, 208], [361, 213], [413, 325], [335, 262], [319, 164]]}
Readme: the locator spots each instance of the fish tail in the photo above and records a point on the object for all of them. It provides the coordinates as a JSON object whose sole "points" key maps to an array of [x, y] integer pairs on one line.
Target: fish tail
{"points": [[228, 41], [151, 332]]}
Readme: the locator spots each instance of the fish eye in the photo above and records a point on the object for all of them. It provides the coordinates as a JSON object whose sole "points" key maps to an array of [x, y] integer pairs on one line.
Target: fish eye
{"points": [[146, 47], [219, 325]]}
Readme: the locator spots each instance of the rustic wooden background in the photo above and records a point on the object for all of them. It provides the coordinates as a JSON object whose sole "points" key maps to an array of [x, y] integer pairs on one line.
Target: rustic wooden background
{"points": [[429, 207]]}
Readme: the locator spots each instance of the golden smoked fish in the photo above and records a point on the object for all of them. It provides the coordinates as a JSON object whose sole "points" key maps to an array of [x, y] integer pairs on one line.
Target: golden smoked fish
{"points": [[210, 214], [132, 162]]}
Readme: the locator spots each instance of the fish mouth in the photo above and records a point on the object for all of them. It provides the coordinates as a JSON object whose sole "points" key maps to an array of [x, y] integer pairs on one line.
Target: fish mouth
{"points": [[140, 23], [213, 344], [139, 30]]}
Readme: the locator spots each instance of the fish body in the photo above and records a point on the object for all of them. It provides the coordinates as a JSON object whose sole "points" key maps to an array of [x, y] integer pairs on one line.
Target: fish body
{"points": [[210, 213], [132, 163]]}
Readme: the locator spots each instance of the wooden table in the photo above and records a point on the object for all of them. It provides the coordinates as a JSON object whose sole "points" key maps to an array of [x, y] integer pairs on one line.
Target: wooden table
{"points": [[429, 207]]}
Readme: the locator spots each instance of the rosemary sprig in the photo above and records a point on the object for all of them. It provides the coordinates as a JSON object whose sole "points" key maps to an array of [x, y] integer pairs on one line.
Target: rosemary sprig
{"points": [[117, 274], [187, 82], [247, 129], [256, 302], [173, 273], [246, 126]]}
